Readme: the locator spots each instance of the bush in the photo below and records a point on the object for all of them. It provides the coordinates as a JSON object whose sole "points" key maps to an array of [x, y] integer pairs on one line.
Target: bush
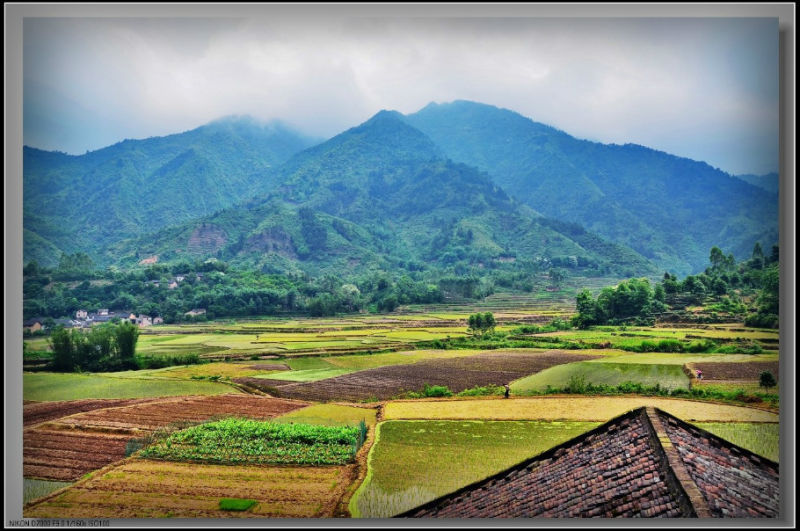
{"points": [[235, 504], [436, 391], [159, 362], [767, 380], [483, 391]]}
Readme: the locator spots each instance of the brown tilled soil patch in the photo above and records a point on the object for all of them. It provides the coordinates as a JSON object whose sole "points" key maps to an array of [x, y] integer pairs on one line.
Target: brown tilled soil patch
{"points": [[142, 488], [456, 373], [750, 370], [269, 367], [38, 412], [67, 448]]}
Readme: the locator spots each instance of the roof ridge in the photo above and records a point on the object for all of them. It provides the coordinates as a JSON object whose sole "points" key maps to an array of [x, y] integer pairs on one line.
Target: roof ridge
{"points": [[682, 484]]}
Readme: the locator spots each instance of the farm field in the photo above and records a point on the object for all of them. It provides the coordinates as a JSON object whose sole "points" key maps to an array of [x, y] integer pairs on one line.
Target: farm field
{"points": [[575, 408], [140, 488], [613, 374], [331, 415], [37, 412], [69, 447], [413, 462], [48, 387], [36, 488], [325, 372], [457, 374]]}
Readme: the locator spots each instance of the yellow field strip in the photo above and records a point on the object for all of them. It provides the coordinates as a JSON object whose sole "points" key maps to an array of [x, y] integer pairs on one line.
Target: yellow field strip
{"points": [[596, 408]]}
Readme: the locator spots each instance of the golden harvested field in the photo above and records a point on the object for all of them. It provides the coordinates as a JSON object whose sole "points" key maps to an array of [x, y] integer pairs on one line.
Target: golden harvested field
{"points": [[595, 408], [141, 488]]}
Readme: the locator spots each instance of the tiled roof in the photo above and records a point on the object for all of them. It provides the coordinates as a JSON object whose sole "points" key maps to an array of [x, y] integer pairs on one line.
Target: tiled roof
{"points": [[628, 467]]}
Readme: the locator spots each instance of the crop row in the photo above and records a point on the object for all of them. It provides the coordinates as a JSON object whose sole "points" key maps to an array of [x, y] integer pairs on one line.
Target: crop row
{"points": [[240, 441]]}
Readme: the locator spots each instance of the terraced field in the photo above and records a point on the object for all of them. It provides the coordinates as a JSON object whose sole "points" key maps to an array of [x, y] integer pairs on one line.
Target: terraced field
{"points": [[577, 408], [386, 382], [48, 387], [613, 374], [413, 462], [69, 447], [151, 489]]}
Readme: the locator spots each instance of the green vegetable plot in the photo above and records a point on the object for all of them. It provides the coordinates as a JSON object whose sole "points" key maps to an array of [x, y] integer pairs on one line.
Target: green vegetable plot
{"points": [[241, 441]]}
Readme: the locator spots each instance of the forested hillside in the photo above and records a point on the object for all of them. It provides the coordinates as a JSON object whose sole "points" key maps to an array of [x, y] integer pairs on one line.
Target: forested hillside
{"points": [[82, 203], [669, 209], [381, 195]]}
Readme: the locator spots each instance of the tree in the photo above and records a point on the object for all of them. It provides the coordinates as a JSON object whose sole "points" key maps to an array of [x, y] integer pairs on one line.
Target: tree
{"points": [[758, 256], [767, 380], [481, 323], [63, 350], [127, 334]]}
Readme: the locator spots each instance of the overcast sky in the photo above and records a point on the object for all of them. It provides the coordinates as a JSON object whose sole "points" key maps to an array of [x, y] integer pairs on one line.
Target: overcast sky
{"points": [[706, 89]]}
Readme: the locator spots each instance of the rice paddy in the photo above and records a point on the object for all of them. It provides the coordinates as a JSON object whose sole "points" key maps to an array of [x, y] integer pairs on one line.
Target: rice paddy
{"points": [[413, 462], [603, 373], [47, 387]]}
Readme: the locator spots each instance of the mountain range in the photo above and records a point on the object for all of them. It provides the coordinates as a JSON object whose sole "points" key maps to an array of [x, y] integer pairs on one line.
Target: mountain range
{"points": [[454, 186]]}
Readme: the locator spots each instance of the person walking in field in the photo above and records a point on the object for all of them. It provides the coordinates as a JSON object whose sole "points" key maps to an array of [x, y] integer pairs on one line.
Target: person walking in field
{"points": [[508, 390], [699, 374]]}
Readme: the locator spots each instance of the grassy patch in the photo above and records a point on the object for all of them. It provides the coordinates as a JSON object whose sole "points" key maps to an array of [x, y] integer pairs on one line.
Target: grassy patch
{"points": [[668, 376], [308, 375], [331, 415], [590, 408], [242, 441], [760, 438], [49, 387], [36, 488], [235, 504], [413, 462]]}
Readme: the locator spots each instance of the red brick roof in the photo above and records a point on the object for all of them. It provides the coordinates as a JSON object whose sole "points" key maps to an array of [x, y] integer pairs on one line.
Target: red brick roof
{"points": [[628, 467]]}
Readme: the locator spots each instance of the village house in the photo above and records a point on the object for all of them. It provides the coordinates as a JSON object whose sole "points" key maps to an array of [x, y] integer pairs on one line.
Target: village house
{"points": [[158, 320], [144, 320], [32, 325], [173, 284], [81, 314], [196, 311]]}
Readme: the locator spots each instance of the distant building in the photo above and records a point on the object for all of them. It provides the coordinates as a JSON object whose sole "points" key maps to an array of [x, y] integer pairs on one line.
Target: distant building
{"points": [[158, 320], [196, 311], [32, 325], [179, 278], [173, 284], [102, 311], [81, 314], [144, 320]]}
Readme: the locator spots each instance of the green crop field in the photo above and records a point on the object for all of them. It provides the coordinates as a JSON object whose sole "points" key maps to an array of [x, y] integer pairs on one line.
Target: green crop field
{"points": [[241, 441], [47, 386], [675, 358], [605, 373], [413, 462], [760, 438], [36, 488]]}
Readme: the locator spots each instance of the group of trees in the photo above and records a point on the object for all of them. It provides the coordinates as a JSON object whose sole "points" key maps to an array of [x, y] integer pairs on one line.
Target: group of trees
{"points": [[637, 301], [227, 292], [106, 347], [481, 323]]}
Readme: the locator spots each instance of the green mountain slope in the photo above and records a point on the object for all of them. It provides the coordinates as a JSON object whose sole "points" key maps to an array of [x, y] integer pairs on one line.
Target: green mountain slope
{"points": [[380, 195], [138, 186], [672, 210], [769, 182]]}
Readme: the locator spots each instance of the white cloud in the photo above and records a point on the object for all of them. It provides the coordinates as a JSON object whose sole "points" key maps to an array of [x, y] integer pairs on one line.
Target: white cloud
{"points": [[672, 85]]}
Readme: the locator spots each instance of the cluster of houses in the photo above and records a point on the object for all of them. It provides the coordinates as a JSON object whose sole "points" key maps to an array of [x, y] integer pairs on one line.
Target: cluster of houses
{"points": [[84, 319]]}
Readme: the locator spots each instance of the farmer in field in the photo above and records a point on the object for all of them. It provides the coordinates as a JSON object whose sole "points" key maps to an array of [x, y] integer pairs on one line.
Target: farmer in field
{"points": [[508, 390], [699, 374]]}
